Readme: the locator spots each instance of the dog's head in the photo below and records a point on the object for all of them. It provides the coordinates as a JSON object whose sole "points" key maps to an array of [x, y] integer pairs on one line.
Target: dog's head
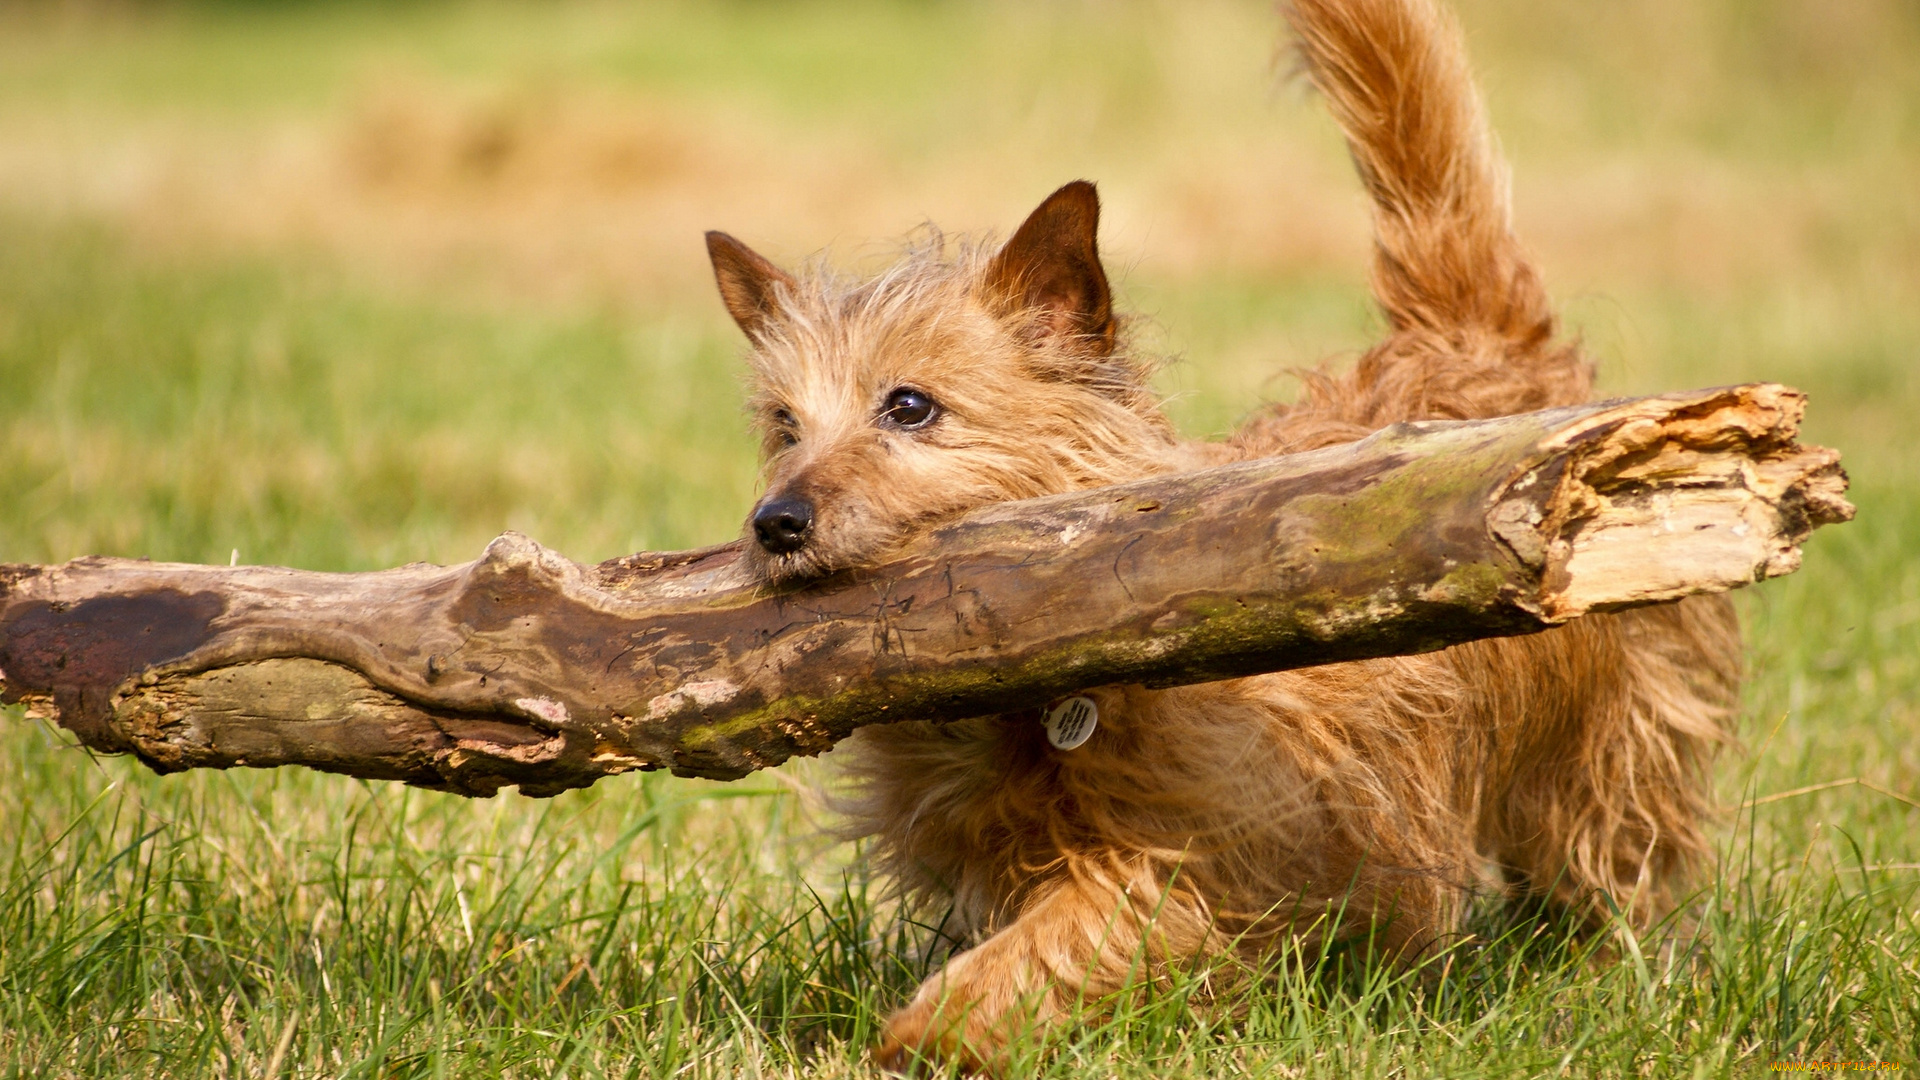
{"points": [[955, 379]]}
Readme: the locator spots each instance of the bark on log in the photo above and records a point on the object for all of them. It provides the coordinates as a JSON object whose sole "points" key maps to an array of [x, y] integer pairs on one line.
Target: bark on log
{"points": [[524, 668]]}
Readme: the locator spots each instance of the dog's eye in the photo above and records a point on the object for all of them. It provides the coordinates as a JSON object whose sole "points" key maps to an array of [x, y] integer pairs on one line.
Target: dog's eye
{"points": [[784, 428], [909, 408]]}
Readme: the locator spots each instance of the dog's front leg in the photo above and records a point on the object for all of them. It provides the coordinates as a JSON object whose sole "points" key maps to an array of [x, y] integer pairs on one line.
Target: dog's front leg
{"points": [[1078, 941]]}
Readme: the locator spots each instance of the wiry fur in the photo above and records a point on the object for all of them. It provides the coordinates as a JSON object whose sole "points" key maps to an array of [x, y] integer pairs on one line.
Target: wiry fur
{"points": [[838, 346], [1365, 798]]}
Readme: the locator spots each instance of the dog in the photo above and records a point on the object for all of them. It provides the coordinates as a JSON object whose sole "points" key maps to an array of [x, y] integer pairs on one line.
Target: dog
{"points": [[1368, 800]]}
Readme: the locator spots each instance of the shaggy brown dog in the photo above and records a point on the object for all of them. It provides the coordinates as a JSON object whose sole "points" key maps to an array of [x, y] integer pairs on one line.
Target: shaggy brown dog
{"points": [[1355, 799]]}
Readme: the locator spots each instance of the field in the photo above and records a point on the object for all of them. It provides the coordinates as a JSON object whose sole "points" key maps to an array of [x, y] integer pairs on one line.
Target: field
{"points": [[346, 285]]}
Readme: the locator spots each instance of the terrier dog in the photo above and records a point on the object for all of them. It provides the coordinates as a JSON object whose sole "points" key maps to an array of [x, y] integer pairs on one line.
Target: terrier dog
{"points": [[1365, 799]]}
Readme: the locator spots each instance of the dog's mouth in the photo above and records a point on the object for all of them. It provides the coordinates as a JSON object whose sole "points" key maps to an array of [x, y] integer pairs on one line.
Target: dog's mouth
{"points": [[785, 534], [790, 568], [824, 545], [824, 554]]}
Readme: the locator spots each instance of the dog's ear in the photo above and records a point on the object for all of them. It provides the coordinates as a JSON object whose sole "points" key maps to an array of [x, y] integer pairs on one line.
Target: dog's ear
{"points": [[1050, 272], [746, 281]]}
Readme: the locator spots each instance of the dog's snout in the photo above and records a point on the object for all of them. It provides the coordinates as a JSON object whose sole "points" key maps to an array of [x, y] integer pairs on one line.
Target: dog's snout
{"points": [[781, 525]]}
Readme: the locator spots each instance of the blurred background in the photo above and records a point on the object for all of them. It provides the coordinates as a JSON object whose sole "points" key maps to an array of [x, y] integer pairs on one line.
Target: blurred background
{"points": [[347, 285]]}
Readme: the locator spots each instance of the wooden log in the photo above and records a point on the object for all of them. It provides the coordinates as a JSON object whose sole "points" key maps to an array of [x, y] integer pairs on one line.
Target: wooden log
{"points": [[523, 668]]}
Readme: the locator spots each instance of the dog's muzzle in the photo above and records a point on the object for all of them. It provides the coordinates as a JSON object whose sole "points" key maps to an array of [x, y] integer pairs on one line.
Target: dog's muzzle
{"points": [[783, 524]]}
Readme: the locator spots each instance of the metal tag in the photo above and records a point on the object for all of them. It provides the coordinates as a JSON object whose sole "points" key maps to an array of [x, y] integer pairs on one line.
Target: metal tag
{"points": [[1071, 722]]}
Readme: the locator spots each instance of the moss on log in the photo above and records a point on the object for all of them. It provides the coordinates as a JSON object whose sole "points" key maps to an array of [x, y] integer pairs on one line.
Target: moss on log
{"points": [[524, 668]]}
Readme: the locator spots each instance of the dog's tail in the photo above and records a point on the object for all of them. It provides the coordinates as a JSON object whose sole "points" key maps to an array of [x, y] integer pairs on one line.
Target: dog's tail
{"points": [[1473, 329]]}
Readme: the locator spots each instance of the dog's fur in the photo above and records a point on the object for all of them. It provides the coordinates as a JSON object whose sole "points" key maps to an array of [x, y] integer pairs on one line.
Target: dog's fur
{"points": [[1356, 799]]}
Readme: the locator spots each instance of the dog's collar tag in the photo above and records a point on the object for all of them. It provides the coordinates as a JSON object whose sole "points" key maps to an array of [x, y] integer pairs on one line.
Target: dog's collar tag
{"points": [[1071, 722]]}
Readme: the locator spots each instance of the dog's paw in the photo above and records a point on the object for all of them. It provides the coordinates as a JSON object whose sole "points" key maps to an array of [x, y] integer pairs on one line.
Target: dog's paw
{"points": [[898, 1052], [923, 1037], [904, 1048]]}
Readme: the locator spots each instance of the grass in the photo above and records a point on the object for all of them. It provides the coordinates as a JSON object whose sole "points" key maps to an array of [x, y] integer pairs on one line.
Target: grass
{"points": [[223, 333], [302, 420]]}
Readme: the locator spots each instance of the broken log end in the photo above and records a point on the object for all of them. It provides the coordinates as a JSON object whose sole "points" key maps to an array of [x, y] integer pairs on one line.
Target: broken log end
{"points": [[524, 669]]}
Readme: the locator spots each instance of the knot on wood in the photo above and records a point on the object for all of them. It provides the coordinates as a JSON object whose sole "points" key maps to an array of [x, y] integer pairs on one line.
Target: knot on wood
{"points": [[524, 668]]}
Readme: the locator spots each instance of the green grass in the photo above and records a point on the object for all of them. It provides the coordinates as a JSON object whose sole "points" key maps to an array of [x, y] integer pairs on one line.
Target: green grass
{"points": [[193, 394], [304, 421]]}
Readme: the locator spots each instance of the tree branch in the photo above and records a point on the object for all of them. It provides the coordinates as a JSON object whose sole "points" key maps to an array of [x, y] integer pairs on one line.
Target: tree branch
{"points": [[524, 668]]}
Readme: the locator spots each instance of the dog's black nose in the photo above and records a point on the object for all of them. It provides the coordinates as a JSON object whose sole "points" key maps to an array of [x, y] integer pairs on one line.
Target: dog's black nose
{"points": [[781, 525]]}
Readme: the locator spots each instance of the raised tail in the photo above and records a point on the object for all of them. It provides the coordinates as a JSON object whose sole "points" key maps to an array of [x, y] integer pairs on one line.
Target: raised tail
{"points": [[1473, 331]]}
